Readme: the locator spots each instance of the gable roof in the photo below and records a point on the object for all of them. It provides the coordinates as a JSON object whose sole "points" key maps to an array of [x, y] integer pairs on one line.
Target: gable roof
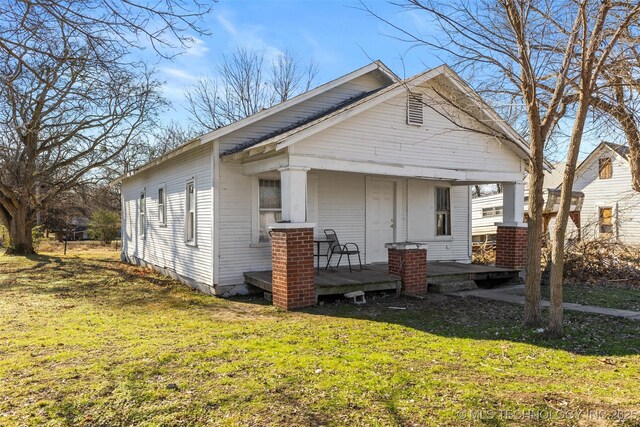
{"points": [[299, 131], [225, 130], [621, 150]]}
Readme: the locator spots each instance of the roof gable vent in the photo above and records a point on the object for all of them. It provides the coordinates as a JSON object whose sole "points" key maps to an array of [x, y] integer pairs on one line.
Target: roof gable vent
{"points": [[415, 109]]}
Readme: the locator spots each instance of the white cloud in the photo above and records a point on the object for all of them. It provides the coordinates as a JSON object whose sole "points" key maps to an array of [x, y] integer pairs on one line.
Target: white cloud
{"points": [[178, 73], [196, 47], [227, 25]]}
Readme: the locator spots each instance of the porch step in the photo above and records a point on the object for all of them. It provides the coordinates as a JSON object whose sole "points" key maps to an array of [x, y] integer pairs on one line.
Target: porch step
{"points": [[452, 286]]}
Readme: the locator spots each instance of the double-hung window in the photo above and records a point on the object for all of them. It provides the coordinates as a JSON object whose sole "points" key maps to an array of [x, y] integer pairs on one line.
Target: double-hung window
{"points": [[141, 212], [443, 212], [190, 218], [606, 221], [270, 205], [162, 203]]}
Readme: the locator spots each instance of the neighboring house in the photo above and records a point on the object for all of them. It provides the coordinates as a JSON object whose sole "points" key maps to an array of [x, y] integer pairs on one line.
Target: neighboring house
{"points": [[611, 207], [376, 158], [487, 210], [604, 204]]}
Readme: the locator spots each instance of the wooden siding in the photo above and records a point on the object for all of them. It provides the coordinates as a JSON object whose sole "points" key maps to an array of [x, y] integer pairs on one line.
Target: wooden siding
{"points": [[304, 110], [165, 247], [381, 135], [340, 200], [615, 192]]}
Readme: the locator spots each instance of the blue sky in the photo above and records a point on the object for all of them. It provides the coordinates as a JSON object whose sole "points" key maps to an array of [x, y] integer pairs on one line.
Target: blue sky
{"points": [[336, 34]]}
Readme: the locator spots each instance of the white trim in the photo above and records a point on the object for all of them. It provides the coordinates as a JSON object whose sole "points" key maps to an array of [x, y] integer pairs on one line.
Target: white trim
{"points": [[215, 182], [291, 225], [194, 242], [163, 222], [401, 170], [142, 214]]}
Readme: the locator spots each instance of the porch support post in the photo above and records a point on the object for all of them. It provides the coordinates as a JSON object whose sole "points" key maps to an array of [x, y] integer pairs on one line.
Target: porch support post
{"points": [[292, 278], [293, 182], [513, 203], [409, 261], [511, 235]]}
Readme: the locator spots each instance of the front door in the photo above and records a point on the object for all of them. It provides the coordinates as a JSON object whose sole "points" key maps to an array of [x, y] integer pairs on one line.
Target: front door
{"points": [[381, 218]]}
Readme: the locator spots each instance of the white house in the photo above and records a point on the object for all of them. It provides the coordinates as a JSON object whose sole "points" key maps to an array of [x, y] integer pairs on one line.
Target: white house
{"points": [[611, 207], [376, 158]]}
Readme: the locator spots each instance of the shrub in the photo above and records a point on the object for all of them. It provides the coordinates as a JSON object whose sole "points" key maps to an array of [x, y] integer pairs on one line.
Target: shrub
{"points": [[104, 225]]}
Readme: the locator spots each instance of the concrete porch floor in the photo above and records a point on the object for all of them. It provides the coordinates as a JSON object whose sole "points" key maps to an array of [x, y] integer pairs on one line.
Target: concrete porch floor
{"points": [[375, 277]]}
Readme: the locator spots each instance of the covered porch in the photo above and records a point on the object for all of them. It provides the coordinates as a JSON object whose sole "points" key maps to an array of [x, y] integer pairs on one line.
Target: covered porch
{"points": [[374, 206]]}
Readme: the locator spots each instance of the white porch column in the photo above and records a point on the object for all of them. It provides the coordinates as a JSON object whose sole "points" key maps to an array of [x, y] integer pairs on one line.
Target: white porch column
{"points": [[293, 182], [512, 203]]}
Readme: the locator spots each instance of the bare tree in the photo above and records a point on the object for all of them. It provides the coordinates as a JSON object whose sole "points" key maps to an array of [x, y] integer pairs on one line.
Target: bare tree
{"points": [[603, 24], [505, 45], [71, 96], [243, 86]]}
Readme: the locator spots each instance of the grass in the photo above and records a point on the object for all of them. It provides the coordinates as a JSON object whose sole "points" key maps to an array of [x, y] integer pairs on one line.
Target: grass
{"points": [[625, 298], [86, 340]]}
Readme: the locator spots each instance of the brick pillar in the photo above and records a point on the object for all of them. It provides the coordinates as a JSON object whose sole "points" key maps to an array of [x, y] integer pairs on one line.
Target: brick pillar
{"points": [[511, 247], [410, 263], [292, 264]]}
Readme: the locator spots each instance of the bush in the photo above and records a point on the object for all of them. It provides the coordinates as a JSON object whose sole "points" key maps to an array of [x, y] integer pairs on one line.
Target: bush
{"points": [[104, 225]]}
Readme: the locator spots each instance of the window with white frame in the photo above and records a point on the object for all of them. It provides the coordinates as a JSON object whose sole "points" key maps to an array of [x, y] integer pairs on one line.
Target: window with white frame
{"points": [[492, 211], [162, 203], [443, 212], [270, 205], [141, 212], [190, 219]]}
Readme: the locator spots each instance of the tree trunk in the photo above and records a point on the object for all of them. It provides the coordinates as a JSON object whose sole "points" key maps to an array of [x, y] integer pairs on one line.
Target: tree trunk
{"points": [[532, 310], [20, 237], [559, 230]]}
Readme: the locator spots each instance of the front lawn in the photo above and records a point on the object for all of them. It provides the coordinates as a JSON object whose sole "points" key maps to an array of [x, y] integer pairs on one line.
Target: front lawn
{"points": [[86, 340]]}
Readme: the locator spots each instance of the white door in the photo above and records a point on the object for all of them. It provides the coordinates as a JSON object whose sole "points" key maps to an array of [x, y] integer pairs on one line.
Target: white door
{"points": [[381, 219]]}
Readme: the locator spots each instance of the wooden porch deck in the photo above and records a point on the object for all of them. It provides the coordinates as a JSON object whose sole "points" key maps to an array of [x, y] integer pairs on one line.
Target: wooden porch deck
{"points": [[375, 277]]}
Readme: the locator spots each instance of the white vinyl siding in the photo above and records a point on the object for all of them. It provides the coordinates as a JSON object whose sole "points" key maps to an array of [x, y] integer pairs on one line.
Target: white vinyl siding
{"points": [[380, 135], [164, 246]]}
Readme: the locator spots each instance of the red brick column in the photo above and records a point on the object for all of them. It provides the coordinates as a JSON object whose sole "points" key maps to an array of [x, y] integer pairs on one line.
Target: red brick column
{"points": [[511, 247], [411, 266], [292, 264]]}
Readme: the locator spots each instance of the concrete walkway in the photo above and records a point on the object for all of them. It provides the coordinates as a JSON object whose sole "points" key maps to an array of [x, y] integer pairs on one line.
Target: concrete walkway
{"points": [[515, 295]]}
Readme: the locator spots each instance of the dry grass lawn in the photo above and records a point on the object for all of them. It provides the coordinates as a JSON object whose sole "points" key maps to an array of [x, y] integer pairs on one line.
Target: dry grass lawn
{"points": [[86, 340]]}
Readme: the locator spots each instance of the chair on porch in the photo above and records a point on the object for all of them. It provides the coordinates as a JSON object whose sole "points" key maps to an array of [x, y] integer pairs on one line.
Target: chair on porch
{"points": [[336, 248]]}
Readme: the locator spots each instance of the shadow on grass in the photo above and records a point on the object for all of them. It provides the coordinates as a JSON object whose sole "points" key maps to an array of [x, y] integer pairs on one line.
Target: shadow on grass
{"points": [[480, 319], [106, 282]]}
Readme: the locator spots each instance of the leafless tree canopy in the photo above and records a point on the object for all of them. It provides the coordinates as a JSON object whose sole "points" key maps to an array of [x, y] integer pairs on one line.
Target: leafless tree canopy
{"points": [[71, 97], [244, 85]]}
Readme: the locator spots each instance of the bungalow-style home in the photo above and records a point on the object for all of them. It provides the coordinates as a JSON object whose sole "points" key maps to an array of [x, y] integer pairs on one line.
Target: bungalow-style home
{"points": [[384, 162]]}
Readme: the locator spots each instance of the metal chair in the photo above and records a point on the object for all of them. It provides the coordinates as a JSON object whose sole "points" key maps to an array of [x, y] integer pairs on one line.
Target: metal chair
{"points": [[336, 248]]}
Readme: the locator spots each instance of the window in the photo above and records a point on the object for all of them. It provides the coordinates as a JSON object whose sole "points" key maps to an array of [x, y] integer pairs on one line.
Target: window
{"points": [[606, 168], [606, 220], [190, 220], [162, 213], [443, 212], [141, 211], [415, 111], [492, 211], [270, 206]]}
